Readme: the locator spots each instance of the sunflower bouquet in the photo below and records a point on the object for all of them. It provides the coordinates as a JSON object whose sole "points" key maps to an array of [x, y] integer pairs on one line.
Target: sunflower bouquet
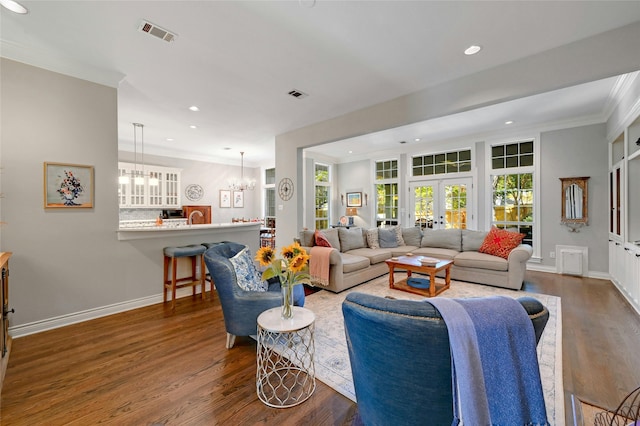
{"points": [[291, 269]]}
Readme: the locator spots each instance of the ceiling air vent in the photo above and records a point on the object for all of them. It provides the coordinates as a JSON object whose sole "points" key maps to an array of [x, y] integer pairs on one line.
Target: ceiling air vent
{"points": [[298, 94], [156, 31]]}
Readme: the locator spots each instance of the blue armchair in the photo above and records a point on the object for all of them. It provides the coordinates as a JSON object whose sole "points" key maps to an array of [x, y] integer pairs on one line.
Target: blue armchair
{"points": [[400, 358], [241, 308]]}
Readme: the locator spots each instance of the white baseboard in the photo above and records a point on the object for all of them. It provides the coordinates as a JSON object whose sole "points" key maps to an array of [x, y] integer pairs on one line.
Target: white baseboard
{"points": [[89, 314], [552, 270]]}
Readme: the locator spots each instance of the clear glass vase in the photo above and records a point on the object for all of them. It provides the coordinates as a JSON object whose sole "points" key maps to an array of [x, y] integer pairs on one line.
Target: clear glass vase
{"points": [[287, 301]]}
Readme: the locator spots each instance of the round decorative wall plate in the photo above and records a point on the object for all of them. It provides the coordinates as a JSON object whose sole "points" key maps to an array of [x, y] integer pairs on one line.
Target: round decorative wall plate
{"points": [[285, 189], [194, 192]]}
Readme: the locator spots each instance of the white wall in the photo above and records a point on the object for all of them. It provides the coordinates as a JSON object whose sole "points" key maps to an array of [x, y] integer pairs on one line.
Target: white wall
{"points": [[212, 177]]}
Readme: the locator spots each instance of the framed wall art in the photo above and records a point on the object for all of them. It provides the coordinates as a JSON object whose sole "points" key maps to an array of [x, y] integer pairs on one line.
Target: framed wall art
{"points": [[238, 199], [68, 186], [354, 199], [225, 198]]}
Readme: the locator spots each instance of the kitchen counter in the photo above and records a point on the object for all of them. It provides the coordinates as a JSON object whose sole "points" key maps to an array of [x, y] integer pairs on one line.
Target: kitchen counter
{"points": [[167, 230]]}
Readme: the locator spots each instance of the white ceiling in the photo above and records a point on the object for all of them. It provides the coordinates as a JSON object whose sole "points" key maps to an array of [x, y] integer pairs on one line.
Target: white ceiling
{"points": [[238, 60]]}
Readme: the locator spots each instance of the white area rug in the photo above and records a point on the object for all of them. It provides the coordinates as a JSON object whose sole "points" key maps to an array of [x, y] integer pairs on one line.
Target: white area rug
{"points": [[332, 358]]}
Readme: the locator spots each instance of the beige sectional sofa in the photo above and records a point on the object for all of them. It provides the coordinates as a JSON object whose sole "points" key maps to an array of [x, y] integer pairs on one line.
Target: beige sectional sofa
{"points": [[357, 257]]}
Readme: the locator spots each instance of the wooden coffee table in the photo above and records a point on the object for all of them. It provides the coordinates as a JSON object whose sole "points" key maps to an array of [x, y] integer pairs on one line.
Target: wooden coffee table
{"points": [[412, 264]]}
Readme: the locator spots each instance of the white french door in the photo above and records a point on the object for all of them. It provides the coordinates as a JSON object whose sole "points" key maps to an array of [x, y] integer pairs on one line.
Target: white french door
{"points": [[441, 203]]}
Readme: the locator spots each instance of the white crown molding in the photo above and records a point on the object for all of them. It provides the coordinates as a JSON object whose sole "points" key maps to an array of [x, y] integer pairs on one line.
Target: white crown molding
{"points": [[622, 85]]}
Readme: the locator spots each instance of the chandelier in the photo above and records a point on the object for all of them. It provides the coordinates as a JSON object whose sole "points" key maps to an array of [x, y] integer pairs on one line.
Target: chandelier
{"points": [[242, 183], [138, 176]]}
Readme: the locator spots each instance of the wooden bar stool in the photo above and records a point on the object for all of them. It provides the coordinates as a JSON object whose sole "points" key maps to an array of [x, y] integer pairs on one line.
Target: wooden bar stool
{"points": [[171, 256]]}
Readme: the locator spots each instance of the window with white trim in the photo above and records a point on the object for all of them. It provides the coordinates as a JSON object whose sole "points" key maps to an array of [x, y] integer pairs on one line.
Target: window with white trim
{"points": [[386, 181], [270, 193], [322, 177], [512, 188]]}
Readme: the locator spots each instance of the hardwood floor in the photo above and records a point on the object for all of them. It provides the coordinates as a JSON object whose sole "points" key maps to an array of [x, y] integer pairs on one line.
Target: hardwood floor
{"points": [[151, 366]]}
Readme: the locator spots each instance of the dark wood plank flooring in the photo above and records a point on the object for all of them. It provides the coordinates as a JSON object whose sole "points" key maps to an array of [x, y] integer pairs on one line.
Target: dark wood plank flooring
{"points": [[152, 366]]}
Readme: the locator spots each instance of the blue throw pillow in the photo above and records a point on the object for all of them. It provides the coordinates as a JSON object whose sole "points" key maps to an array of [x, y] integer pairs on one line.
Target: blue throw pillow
{"points": [[387, 238], [247, 275]]}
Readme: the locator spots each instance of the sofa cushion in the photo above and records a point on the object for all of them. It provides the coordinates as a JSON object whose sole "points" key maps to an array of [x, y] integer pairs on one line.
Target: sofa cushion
{"points": [[351, 263], [374, 255], [473, 259], [500, 242], [321, 239], [438, 253], [372, 238], [307, 238], [247, 275], [332, 237], [388, 238], [472, 240], [412, 236], [402, 250], [442, 238], [351, 238]]}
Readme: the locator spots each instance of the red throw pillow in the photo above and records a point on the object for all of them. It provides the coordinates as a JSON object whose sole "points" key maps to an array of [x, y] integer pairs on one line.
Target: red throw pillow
{"points": [[321, 240], [500, 242]]}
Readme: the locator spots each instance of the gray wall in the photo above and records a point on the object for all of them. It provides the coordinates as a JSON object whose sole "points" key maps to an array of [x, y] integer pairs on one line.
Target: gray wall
{"points": [[69, 263], [580, 151], [63, 260]]}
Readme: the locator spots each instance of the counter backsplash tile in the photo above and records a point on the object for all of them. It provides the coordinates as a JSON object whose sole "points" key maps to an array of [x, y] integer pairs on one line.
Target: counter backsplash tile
{"points": [[139, 214]]}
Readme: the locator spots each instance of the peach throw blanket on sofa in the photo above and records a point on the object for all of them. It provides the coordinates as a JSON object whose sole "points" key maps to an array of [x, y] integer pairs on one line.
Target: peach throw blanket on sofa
{"points": [[319, 265]]}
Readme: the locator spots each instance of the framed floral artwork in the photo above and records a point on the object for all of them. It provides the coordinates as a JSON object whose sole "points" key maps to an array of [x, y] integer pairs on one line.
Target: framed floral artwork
{"points": [[68, 186], [238, 199], [225, 198]]}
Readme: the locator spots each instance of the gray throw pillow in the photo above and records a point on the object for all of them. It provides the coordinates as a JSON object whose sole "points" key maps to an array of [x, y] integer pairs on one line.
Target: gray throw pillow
{"points": [[472, 240], [332, 236], [387, 237], [412, 236], [351, 238]]}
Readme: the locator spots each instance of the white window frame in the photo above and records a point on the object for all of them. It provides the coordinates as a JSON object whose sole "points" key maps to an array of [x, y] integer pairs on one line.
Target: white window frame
{"points": [[535, 169], [328, 187], [377, 182]]}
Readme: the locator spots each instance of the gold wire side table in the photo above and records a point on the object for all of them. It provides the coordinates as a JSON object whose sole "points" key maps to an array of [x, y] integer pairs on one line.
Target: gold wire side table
{"points": [[285, 372]]}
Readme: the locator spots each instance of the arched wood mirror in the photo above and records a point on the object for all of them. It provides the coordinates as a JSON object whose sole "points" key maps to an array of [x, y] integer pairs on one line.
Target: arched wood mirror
{"points": [[575, 197]]}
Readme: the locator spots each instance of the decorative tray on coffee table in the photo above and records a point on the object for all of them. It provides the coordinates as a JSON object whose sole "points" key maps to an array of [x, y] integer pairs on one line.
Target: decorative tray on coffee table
{"points": [[429, 261]]}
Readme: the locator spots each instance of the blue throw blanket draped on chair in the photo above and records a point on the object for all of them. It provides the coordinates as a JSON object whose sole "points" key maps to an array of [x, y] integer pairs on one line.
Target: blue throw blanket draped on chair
{"points": [[496, 378]]}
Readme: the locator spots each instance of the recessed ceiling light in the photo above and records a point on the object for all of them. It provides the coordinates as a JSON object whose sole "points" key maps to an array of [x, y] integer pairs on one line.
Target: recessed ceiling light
{"points": [[417, 139], [193, 126], [226, 148], [194, 108], [508, 122], [169, 139], [350, 152], [14, 6], [472, 50]]}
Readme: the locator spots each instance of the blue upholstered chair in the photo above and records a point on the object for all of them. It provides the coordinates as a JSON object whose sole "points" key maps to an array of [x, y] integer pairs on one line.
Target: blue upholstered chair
{"points": [[241, 308], [400, 358]]}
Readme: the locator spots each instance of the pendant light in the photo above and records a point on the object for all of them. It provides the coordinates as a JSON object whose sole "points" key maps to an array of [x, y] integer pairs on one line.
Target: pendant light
{"points": [[242, 183]]}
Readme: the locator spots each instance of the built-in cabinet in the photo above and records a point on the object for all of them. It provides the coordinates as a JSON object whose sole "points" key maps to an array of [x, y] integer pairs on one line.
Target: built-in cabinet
{"points": [[624, 213], [148, 187]]}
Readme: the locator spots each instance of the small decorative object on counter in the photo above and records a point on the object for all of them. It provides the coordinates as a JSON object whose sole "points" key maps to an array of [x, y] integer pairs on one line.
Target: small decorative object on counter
{"points": [[292, 269], [159, 220]]}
